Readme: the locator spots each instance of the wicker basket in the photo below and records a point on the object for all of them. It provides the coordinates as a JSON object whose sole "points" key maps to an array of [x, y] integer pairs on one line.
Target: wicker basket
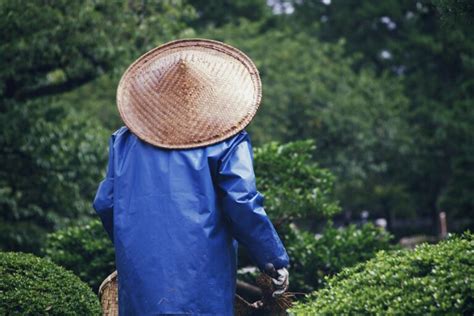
{"points": [[108, 295]]}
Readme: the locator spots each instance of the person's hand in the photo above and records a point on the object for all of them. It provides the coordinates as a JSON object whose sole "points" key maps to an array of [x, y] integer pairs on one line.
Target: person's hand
{"points": [[280, 279], [281, 282]]}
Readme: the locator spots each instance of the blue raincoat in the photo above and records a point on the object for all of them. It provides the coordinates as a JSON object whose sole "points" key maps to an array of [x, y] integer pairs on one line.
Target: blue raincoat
{"points": [[174, 217]]}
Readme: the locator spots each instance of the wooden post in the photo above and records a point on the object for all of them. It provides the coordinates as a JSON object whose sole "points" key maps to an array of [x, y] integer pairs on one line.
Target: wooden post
{"points": [[443, 227]]}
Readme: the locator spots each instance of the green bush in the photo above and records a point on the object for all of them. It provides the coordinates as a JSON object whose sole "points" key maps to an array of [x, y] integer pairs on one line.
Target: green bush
{"points": [[34, 286], [431, 279], [293, 184], [86, 250], [313, 258]]}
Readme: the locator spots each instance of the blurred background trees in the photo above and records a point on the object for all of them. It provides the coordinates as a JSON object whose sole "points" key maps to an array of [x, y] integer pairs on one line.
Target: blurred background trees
{"points": [[52, 153], [426, 44]]}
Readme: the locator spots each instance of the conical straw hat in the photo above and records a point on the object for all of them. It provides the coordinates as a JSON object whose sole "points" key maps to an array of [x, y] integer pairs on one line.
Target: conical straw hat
{"points": [[189, 93]]}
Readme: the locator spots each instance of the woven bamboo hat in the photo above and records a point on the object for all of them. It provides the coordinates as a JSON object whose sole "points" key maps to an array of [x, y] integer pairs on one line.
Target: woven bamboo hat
{"points": [[189, 93]]}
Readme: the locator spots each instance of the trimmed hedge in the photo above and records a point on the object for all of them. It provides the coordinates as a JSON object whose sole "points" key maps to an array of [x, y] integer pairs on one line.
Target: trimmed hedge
{"points": [[30, 285], [431, 279], [85, 250]]}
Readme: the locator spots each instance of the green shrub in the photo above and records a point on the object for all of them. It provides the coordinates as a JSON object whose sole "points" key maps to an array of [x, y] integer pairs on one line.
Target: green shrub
{"points": [[86, 250], [314, 258], [34, 286], [431, 279], [293, 184]]}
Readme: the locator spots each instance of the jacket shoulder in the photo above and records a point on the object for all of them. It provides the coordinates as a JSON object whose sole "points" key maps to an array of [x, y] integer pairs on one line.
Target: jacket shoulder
{"points": [[234, 142], [121, 131], [238, 138]]}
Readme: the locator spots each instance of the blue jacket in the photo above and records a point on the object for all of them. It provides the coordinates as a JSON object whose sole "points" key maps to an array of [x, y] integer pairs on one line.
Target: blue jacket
{"points": [[174, 217]]}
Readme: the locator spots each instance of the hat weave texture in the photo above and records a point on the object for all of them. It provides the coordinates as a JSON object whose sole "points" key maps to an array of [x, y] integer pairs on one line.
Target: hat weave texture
{"points": [[189, 93]]}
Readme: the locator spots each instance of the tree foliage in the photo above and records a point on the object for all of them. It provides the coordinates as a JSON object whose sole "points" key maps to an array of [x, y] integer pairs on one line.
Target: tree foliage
{"points": [[44, 49], [427, 45], [221, 12], [52, 153], [50, 163], [48, 48]]}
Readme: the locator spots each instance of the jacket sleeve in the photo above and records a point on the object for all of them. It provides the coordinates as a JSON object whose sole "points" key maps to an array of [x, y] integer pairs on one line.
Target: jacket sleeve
{"points": [[243, 206], [104, 199]]}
